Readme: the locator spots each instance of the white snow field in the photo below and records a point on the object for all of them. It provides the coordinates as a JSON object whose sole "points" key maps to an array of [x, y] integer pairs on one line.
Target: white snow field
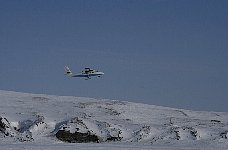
{"points": [[37, 121]]}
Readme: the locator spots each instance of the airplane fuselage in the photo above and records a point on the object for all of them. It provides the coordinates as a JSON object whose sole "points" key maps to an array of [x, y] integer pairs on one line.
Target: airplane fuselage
{"points": [[88, 74]]}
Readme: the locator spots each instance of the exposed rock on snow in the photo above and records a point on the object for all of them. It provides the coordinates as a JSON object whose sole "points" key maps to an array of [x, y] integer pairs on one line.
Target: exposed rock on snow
{"points": [[4, 126], [12, 132], [76, 137], [86, 130], [36, 117]]}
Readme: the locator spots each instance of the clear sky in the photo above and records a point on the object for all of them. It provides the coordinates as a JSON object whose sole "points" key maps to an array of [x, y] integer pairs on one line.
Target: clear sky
{"points": [[163, 52]]}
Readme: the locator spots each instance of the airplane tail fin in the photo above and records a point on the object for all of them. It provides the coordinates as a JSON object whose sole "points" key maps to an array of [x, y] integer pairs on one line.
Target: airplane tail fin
{"points": [[67, 71]]}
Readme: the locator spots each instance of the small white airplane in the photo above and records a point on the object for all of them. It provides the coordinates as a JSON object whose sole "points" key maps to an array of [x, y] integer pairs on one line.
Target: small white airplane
{"points": [[87, 73]]}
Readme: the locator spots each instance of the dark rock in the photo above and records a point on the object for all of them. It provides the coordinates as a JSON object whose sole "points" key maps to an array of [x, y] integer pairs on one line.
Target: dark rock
{"points": [[216, 121], [76, 137], [4, 124], [224, 134], [114, 138]]}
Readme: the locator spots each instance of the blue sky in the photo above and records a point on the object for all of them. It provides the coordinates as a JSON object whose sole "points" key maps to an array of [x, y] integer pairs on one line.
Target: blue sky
{"points": [[163, 52]]}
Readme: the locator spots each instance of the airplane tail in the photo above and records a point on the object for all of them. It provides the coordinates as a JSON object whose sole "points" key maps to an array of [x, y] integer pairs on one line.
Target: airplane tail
{"points": [[67, 71]]}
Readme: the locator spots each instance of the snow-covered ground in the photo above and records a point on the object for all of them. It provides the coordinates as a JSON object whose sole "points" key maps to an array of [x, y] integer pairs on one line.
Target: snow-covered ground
{"points": [[36, 121]]}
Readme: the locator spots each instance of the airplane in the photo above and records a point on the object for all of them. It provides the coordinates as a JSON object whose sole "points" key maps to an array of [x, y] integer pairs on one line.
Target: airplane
{"points": [[87, 73]]}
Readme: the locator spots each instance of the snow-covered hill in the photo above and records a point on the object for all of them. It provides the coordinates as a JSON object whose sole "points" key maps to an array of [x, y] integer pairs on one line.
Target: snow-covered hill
{"points": [[37, 119]]}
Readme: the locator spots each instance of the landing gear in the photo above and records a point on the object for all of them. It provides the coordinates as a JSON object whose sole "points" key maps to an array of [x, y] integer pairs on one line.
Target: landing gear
{"points": [[88, 77]]}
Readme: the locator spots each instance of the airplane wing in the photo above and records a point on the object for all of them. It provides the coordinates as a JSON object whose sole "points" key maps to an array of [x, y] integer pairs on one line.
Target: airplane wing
{"points": [[88, 70]]}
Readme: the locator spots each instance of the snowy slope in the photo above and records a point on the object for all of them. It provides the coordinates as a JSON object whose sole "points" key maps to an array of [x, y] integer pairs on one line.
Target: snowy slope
{"points": [[37, 120]]}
